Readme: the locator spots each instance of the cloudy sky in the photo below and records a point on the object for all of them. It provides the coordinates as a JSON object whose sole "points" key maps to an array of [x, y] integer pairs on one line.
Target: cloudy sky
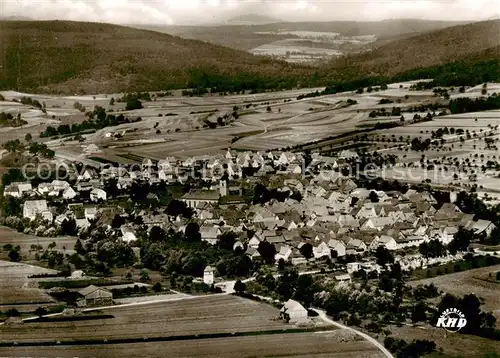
{"points": [[206, 11]]}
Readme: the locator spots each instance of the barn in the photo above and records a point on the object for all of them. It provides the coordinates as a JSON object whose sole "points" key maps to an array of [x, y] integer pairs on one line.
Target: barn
{"points": [[293, 311], [95, 296]]}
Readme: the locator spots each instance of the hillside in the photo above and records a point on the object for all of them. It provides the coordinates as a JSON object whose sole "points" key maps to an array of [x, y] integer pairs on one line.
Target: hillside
{"points": [[479, 41], [71, 57]]}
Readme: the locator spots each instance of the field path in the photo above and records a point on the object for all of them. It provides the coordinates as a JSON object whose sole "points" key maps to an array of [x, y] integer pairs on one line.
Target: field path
{"points": [[372, 340]]}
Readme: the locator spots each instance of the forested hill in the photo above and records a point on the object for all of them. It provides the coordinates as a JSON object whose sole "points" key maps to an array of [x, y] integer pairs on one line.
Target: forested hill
{"points": [[477, 41], [70, 57], [79, 57]]}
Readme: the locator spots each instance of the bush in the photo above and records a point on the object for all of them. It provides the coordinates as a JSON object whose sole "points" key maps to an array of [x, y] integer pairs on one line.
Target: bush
{"points": [[157, 287], [12, 312], [132, 104]]}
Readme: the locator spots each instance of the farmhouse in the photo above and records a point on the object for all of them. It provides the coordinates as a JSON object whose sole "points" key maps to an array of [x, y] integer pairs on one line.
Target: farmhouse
{"points": [[293, 311], [94, 296]]}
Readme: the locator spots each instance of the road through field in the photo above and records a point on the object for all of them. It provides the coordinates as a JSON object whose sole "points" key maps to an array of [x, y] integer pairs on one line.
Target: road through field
{"points": [[373, 341]]}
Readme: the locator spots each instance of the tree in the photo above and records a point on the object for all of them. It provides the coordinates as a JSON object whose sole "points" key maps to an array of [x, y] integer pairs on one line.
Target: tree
{"points": [[144, 276], [68, 227], [14, 256], [192, 232], [117, 221], [157, 234], [383, 256], [307, 250], [157, 287], [227, 240], [373, 196], [11, 206], [461, 241], [267, 252], [79, 249], [281, 264], [418, 313], [13, 146], [12, 312], [40, 311], [498, 276], [132, 104], [239, 286], [28, 137], [112, 101]]}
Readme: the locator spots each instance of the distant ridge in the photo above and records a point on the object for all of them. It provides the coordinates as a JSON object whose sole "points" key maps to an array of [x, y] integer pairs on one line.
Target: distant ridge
{"points": [[251, 19], [15, 18]]}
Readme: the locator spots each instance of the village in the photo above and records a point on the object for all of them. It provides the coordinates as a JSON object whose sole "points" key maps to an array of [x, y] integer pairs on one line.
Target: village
{"points": [[301, 214]]}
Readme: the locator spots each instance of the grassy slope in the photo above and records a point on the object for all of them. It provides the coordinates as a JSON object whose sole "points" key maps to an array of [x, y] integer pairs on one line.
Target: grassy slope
{"points": [[424, 50], [69, 56]]}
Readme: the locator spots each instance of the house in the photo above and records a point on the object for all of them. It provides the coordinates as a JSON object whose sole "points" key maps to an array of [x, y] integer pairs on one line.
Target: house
{"points": [[253, 253], [209, 233], [348, 154], [60, 185], [90, 213], [32, 208], [481, 226], [17, 190], [337, 246], [293, 311], [97, 194], [284, 253], [196, 198], [69, 193], [254, 242], [94, 296], [377, 223], [128, 233], [386, 241], [46, 189], [366, 213], [265, 215], [86, 175], [353, 267], [322, 250], [343, 278], [60, 219], [208, 275], [357, 245]]}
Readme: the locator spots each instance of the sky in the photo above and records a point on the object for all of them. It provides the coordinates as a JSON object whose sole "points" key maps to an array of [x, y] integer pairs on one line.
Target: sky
{"points": [[178, 12]]}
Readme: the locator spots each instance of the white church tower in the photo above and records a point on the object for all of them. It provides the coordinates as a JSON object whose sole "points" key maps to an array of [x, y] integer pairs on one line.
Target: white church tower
{"points": [[223, 188]]}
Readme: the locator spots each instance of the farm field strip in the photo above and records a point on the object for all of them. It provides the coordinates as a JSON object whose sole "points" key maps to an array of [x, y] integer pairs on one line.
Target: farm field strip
{"points": [[203, 315], [299, 345]]}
